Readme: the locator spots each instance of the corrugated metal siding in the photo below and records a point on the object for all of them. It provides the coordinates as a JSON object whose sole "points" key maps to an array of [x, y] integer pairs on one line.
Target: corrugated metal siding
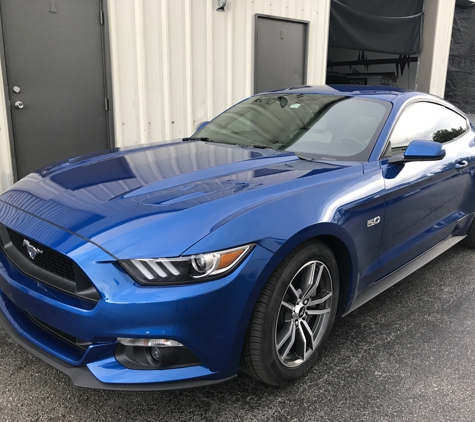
{"points": [[178, 63]]}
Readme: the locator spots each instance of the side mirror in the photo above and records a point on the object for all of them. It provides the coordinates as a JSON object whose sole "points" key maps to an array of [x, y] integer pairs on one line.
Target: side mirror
{"points": [[421, 151], [424, 151]]}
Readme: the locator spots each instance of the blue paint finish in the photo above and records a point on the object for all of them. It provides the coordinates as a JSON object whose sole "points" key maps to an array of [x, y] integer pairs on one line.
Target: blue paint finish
{"points": [[423, 204], [424, 150], [111, 372], [185, 198]]}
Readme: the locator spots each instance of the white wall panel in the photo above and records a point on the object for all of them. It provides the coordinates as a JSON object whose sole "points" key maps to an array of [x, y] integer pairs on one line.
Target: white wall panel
{"points": [[436, 36], [176, 63]]}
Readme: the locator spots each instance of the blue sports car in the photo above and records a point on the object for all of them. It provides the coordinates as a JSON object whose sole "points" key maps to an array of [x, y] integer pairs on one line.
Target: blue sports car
{"points": [[178, 264]]}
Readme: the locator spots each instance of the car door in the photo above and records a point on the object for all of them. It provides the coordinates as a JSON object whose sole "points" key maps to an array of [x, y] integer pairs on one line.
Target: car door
{"points": [[424, 199]]}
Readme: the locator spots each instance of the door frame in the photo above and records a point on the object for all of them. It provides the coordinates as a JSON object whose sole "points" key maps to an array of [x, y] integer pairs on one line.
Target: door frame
{"points": [[279, 18], [107, 65], [107, 78]]}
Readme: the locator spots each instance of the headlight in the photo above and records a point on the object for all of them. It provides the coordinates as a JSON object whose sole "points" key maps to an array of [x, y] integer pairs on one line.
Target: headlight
{"points": [[187, 269]]}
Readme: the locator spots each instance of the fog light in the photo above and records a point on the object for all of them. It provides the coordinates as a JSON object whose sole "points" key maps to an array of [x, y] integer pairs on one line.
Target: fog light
{"points": [[154, 357], [156, 354], [165, 357]]}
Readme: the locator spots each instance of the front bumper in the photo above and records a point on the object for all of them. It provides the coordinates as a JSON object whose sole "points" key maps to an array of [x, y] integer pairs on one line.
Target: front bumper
{"points": [[81, 376], [210, 318]]}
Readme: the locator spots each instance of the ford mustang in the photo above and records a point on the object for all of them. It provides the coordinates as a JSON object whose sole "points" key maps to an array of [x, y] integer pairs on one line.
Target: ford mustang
{"points": [[177, 264]]}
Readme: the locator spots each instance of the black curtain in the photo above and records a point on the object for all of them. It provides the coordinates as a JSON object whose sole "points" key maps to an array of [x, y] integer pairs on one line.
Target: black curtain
{"points": [[384, 26], [460, 86]]}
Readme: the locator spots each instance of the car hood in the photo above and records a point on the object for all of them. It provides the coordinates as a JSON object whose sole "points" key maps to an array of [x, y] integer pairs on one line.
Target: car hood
{"points": [[158, 200]]}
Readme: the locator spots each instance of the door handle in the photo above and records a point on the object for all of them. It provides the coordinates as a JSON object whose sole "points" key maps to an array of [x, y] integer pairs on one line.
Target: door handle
{"points": [[19, 104], [461, 164]]}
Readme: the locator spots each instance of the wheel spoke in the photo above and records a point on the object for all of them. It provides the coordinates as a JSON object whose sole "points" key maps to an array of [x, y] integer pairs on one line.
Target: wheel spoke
{"points": [[314, 281], [284, 334], [321, 298], [297, 293], [291, 343], [301, 346], [308, 331], [307, 278], [318, 311], [287, 305]]}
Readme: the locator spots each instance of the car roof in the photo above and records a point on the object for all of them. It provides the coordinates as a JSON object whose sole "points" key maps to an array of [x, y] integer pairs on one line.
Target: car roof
{"points": [[385, 93]]}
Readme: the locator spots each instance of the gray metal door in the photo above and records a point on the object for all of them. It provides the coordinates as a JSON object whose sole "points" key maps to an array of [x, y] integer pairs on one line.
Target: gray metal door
{"points": [[55, 76], [280, 53]]}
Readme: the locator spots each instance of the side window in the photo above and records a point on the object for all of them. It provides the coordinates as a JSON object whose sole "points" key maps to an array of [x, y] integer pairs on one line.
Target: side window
{"points": [[428, 122]]}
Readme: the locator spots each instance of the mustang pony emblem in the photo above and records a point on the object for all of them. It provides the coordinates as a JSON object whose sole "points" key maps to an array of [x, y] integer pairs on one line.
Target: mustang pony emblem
{"points": [[32, 251]]}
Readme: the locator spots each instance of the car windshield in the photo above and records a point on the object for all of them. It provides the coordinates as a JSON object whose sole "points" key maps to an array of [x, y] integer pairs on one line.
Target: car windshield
{"points": [[315, 126]]}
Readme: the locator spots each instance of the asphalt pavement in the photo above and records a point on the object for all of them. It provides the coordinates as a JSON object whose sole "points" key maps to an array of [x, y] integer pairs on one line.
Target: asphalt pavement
{"points": [[408, 355]]}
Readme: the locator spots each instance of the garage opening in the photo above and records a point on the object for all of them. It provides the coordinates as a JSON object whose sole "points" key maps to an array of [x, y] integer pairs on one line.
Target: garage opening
{"points": [[374, 42]]}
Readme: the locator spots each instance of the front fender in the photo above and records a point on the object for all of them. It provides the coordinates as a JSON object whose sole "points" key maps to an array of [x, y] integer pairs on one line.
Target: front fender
{"points": [[339, 210]]}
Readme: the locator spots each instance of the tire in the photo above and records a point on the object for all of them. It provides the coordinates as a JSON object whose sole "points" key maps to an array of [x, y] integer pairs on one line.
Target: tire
{"points": [[469, 241], [299, 301]]}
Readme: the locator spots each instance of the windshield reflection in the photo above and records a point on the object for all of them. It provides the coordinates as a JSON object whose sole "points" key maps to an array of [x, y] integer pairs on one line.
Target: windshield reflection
{"points": [[328, 127]]}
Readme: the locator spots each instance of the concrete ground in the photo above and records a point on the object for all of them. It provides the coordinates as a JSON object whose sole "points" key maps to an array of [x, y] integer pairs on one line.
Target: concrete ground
{"points": [[408, 355]]}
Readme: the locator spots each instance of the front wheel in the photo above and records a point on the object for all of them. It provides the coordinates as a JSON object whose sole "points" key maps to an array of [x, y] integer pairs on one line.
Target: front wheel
{"points": [[469, 241], [293, 316]]}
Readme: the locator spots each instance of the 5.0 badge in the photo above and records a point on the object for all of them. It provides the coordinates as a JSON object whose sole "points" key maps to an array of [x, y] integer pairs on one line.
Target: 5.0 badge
{"points": [[373, 221]]}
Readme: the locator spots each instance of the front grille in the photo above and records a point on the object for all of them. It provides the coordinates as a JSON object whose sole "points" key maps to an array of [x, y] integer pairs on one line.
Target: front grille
{"points": [[48, 266], [49, 260]]}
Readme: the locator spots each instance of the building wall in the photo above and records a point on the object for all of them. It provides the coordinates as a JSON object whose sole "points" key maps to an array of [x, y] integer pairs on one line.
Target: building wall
{"points": [[178, 63], [436, 36]]}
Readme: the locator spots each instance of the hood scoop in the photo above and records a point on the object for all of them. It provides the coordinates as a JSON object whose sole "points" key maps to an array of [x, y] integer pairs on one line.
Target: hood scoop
{"points": [[218, 171], [197, 193]]}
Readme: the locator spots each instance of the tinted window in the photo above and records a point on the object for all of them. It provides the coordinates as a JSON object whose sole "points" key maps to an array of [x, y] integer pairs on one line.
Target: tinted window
{"points": [[330, 127], [426, 121]]}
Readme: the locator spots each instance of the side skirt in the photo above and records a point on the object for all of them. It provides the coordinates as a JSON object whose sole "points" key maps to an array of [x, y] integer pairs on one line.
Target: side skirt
{"points": [[403, 272]]}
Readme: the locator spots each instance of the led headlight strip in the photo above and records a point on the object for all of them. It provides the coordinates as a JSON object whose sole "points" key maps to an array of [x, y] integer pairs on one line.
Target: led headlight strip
{"points": [[188, 269]]}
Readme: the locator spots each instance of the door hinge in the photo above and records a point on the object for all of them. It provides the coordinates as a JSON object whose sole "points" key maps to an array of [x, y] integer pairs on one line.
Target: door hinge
{"points": [[106, 104], [101, 17]]}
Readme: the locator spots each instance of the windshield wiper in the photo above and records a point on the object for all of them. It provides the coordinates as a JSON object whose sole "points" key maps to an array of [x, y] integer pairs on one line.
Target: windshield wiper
{"points": [[202, 139], [192, 138], [260, 146], [303, 157]]}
